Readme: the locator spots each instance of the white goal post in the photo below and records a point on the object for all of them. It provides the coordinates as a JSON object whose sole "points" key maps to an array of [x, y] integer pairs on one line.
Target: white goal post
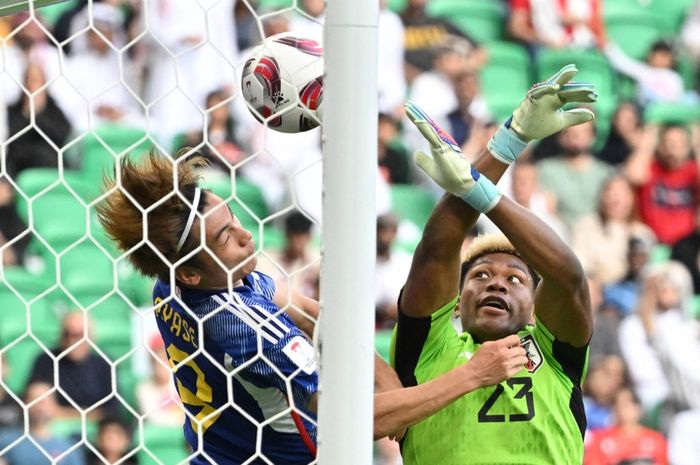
{"points": [[349, 232]]}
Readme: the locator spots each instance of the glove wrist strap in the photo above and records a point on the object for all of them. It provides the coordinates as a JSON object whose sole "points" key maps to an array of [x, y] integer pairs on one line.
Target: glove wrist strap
{"points": [[505, 145], [484, 195]]}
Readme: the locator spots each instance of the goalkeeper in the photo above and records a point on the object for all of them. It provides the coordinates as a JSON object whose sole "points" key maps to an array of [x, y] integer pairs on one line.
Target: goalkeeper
{"points": [[537, 416]]}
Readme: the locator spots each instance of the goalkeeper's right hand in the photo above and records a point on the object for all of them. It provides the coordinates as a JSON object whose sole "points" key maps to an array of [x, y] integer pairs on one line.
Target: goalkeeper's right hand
{"points": [[540, 114]]}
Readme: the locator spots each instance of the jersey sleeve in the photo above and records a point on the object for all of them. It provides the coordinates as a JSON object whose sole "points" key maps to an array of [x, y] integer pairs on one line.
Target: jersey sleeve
{"points": [[274, 353], [569, 360], [419, 340]]}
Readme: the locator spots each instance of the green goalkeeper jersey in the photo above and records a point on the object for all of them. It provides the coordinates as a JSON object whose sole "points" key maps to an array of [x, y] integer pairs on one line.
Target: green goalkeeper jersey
{"points": [[534, 418]]}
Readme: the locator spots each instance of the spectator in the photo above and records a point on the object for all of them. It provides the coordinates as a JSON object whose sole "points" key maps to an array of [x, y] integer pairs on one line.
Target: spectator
{"points": [[29, 44], [298, 260], [83, 376], [687, 252], [656, 335], [220, 148], [390, 53], [310, 24], [391, 272], [157, 396], [627, 441], [604, 380], [575, 177], [555, 23], [605, 341], [113, 443], [657, 81], [42, 409], [622, 295], [98, 78], [393, 159], [527, 192], [10, 227], [10, 410], [201, 36], [435, 89], [424, 34], [600, 239], [38, 146], [625, 135], [666, 177], [683, 444], [471, 107]]}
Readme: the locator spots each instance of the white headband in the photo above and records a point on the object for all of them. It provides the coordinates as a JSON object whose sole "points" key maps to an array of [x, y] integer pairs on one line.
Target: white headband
{"points": [[190, 219]]}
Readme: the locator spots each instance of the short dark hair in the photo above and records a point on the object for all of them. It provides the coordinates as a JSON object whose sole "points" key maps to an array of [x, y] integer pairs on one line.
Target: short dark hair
{"points": [[297, 223], [109, 420]]}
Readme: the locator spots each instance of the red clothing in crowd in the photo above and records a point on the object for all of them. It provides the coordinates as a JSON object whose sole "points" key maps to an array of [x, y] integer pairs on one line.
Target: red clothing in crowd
{"points": [[613, 446], [668, 201]]}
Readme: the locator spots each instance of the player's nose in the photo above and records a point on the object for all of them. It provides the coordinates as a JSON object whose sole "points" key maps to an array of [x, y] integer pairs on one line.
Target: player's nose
{"points": [[497, 284]]}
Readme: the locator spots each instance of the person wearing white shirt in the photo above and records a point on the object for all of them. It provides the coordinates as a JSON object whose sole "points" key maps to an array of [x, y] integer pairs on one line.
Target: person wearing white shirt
{"points": [[193, 52], [390, 51]]}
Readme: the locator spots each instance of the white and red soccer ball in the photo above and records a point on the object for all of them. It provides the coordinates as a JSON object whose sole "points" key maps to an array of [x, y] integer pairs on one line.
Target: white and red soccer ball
{"points": [[282, 83]]}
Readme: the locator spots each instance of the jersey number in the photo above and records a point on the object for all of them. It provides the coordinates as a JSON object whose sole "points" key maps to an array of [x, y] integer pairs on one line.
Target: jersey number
{"points": [[202, 398], [525, 391]]}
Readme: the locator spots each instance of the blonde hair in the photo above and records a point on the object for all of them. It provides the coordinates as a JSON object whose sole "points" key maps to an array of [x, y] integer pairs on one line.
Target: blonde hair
{"points": [[487, 244], [147, 182]]}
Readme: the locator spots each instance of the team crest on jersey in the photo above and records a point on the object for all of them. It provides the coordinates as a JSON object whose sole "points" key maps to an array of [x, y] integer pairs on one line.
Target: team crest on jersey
{"points": [[534, 355]]}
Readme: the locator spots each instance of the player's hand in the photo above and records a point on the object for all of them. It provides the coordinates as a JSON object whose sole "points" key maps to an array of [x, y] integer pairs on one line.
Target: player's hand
{"points": [[541, 114], [496, 361], [448, 167]]}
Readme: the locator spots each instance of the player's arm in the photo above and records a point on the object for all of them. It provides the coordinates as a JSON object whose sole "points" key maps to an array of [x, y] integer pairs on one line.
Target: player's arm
{"points": [[433, 279], [495, 361], [436, 262], [301, 309], [562, 301]]}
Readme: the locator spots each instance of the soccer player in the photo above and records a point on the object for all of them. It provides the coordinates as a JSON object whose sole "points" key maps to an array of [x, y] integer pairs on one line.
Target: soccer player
{"points": [[237, 341], [535, 417]]}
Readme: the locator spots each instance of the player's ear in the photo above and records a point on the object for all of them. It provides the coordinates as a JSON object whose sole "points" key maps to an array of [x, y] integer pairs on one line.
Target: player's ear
{"points": [[457, 312], [188, 276]]}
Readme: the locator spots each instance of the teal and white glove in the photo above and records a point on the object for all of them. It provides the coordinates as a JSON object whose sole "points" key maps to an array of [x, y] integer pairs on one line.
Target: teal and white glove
{"points": [[448, 167], [540, 114]]}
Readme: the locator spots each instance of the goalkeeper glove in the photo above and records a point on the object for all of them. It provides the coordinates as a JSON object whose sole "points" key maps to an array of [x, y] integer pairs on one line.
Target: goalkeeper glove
{"points": [[540, 114], [448, 167]]}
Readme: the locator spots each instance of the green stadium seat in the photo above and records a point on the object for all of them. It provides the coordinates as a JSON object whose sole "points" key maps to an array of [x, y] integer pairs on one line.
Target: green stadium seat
{"points": [[20, 358], [72, 428], [667, 113], [101, 147], [505, 78], [397, 5], [59, 215], [167, 443], [382, 343], [634, 30], [412, 203], [51, 13], [480, 19], [673, 12], [660, 253], [593, 67], [272, 5]]}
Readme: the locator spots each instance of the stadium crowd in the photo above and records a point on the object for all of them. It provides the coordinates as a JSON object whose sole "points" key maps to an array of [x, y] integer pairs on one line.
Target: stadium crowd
{"points": [[623, 191]]}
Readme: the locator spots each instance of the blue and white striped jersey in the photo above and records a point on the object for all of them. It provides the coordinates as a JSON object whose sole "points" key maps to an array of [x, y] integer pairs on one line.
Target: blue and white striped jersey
{"points": [[244, 343]]}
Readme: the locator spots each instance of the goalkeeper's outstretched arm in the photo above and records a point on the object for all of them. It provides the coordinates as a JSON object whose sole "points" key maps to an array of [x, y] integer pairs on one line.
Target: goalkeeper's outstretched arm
{"points": [[433, 280]]}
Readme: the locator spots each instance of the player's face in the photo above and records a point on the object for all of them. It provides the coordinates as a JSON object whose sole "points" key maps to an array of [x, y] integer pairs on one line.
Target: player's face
{"points": [[229, 242], [497, 299]]}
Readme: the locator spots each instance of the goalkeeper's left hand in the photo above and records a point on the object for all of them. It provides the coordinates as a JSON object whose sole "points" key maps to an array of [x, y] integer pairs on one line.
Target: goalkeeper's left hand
{"points": [[541, 114], [448, 167]]}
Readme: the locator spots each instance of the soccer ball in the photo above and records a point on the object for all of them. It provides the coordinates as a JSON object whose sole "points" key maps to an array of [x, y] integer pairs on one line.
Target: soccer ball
{"points": [[282, 83]]}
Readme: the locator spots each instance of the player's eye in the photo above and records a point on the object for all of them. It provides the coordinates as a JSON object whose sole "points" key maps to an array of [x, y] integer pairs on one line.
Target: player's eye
{"points": [[481, 274], [515, 279]]}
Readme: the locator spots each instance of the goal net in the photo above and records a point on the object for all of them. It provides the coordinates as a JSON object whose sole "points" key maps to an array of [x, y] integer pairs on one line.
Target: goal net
{"points": [[85, 373]]}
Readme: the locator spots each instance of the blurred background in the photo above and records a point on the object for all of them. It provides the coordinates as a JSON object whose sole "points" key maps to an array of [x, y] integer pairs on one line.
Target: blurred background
{"points": [[82, 83]]}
